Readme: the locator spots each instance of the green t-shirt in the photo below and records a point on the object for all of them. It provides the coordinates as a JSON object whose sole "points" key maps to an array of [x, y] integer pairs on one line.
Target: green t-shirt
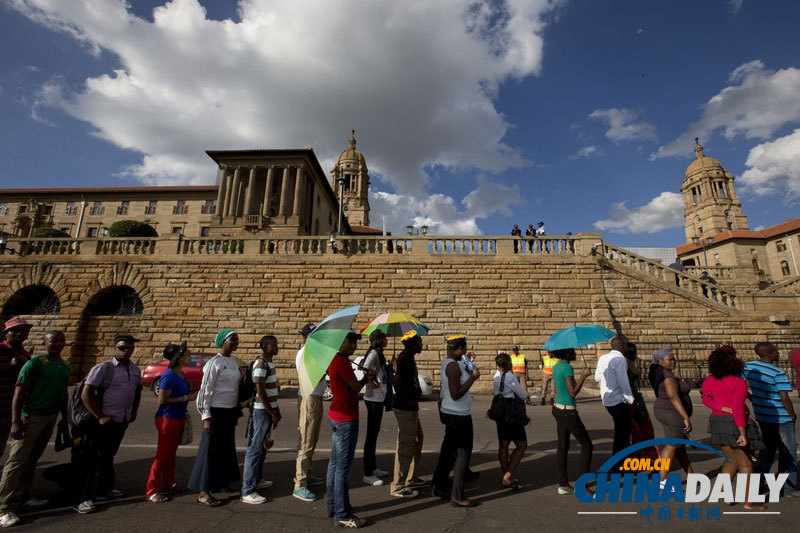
{"points": [[47, 381], [560, 373]]}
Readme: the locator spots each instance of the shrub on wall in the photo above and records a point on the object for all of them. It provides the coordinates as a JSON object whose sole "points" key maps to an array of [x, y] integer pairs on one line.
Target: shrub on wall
{"points": [[49, 233], [131, 228]]}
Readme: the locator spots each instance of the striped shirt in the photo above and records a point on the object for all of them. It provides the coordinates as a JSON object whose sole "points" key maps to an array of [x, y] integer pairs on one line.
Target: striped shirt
{"points": [[264, 372], [766, 383]]}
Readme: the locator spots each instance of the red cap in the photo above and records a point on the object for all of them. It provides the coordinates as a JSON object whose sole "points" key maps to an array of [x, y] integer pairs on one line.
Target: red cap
{"points": [[16, 322]]}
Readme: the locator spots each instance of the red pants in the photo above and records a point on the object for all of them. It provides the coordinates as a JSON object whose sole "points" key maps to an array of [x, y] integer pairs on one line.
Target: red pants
{"points": [[162, 473]]}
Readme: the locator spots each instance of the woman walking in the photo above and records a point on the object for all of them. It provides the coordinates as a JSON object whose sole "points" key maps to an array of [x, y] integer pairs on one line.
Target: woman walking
{"points": [[374, 399], [454, 413], [216, 465], [173, 396], [724, 392], [670, 408], [509, 432], [568, 421]]}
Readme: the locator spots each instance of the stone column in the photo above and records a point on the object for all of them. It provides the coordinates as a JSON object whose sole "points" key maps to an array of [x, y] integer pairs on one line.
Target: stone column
{"points": [[221, 190], [248, 199], [284, 202], [268, 190], [233, 193], [298, 190]]}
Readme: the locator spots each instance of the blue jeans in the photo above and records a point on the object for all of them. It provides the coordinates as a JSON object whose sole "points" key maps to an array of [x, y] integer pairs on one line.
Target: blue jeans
{"points": [[255, 454], [780, 438], [343, 448]]}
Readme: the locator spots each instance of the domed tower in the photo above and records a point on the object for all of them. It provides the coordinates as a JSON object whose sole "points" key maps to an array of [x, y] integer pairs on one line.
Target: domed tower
{"points": [[710, 199], [350, 172]]}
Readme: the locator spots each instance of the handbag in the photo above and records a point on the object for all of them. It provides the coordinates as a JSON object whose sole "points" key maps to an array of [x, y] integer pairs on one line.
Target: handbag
{"points": [[188, 431], [507, 410]]}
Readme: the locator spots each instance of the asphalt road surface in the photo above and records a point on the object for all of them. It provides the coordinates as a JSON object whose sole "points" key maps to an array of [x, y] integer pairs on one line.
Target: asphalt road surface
{"points": [[537, 507]]}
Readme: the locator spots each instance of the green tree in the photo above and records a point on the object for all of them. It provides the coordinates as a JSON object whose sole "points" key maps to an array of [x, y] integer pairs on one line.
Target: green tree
{"points": [[131, 228]]}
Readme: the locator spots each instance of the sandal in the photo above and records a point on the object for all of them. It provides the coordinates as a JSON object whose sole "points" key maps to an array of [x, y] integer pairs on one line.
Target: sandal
{"points": [[210, 501], [175, 488], [158, 498]]}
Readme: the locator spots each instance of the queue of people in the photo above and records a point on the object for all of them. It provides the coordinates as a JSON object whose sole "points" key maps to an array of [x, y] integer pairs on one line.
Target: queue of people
{"points": [[33, 393]]}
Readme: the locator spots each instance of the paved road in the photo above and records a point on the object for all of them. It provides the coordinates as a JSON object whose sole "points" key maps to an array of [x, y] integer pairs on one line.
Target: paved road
{"points": [[535, 508]]}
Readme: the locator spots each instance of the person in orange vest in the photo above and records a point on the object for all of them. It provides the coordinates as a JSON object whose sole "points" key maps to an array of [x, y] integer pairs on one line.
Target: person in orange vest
{"points": [[548, 361], [519, 367]]}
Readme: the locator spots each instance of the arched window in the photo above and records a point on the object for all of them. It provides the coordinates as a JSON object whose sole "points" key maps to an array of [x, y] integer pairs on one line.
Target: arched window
{"points": [[32, 300], [115, 301], [698, 226], [785, 268]]}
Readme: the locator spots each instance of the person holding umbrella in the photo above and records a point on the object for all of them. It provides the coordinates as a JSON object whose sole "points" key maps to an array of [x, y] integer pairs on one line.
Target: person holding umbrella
{"points": [[343, 418], [454, 412], [374, 399]]}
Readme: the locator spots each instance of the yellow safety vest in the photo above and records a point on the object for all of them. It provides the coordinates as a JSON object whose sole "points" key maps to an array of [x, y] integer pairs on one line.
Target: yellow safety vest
{"points": [[518, 363], [548, 363]]}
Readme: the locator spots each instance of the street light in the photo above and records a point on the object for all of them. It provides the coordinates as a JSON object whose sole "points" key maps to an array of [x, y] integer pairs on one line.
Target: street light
{"points": [[701, 242], [340, 181], [410, 229], [3, 243]]}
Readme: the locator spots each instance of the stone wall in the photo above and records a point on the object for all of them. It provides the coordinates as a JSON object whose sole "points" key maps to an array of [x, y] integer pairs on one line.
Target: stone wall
{"points": [[497, 301]]}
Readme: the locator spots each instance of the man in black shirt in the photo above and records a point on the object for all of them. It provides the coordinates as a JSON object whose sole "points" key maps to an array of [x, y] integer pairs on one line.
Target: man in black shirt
{"points": [[406, 409]]}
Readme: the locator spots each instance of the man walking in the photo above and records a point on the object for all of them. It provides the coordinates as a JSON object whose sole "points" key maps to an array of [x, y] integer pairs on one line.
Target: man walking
{"points": [[309, 409], [615, 391], [406, 410], [343, 417], [770, 388], [111, 393], [265, 416], [12, 357], [40, 395]]}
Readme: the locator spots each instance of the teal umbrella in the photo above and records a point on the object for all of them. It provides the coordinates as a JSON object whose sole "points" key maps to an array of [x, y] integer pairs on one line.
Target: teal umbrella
{"points": [[577, 336]]}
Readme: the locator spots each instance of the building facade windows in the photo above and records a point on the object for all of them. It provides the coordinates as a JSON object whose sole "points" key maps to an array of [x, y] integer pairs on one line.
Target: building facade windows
{"points": [[22, 209], [205, 231], [180, 208], [177, 230], [70, 209], [209, 208], [3, 209], [97, 209], [780, 246], [91, 233], [123, 207], [151, 207], [785, 268]]}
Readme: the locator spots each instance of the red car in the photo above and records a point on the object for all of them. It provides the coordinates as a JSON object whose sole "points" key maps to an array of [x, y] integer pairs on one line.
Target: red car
{"points": [[193, 372]]}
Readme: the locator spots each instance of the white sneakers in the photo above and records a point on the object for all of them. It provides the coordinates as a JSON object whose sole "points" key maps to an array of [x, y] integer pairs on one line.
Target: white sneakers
{"points": [[9, 519], [264, 484], [373, 480], [85, 507], [253, 498]]}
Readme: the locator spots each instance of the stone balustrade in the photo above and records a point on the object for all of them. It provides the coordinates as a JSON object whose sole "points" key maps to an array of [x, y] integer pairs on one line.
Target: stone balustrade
{"points": [[126, 246], [46, 247], [655, 269]]}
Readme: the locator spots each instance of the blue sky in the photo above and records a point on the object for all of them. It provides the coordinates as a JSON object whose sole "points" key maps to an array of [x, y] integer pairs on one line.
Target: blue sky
{"points": [[472, 116]]}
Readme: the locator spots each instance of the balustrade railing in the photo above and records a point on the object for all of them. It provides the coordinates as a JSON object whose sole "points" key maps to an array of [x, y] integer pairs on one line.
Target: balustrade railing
{"points": [[53, 246], [790, 285], [126, 246], [210, 246], [657, 270]]}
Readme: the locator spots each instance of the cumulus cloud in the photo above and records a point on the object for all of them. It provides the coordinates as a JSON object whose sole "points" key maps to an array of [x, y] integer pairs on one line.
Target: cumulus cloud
{"points": [[586, 151], [442, 213], [757, 103], [624, 124], [416, 79], [774, 167], [662, 212]]}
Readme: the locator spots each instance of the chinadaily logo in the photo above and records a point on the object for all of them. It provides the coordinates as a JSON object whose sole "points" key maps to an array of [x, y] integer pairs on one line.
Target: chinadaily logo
{"points": [[630, 482]]}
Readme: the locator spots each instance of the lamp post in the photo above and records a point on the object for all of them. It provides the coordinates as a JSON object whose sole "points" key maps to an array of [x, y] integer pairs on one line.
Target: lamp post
{"points": [[701, 242], [340, 181], [410, 229]]}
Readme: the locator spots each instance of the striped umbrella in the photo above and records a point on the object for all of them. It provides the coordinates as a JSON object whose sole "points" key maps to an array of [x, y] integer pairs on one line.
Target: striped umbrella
{"points": [[321, 347], [395, 325]]}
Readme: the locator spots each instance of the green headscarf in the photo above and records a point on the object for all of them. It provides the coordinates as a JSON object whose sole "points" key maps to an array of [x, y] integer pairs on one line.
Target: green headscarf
{"points": [[222, 335]]}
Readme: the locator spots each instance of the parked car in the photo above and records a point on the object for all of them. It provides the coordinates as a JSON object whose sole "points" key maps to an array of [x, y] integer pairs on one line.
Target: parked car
{"points": [[193, 372], [425, 382]]}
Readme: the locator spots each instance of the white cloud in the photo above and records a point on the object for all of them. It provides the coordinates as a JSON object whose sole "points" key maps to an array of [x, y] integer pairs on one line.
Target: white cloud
{"points": [[662, 212], [756, 104], [416, 79], [775, 168], [735, 5], [586, 151], [624, 124], [440, 212]]}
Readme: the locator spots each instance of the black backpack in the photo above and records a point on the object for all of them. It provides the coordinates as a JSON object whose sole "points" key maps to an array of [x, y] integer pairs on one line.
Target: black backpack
{"points": [[79, 415], [247, 389]]}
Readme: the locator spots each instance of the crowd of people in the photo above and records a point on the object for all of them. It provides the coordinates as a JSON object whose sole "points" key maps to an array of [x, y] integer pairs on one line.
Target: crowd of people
{"points": [[94, 418]]}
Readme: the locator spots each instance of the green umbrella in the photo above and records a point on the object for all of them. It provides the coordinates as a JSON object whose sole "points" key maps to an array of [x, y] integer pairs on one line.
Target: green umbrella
{"points": [[321, 347]]}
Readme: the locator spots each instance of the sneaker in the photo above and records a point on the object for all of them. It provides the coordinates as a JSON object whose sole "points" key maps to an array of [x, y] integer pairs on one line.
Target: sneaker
{"points": [[380, 473], [85, 507], [351, 521], [793, 494], [35, 503], [407, 494], [253, 498], [113, 494], [264, 484], [373, 480], [304, 494], [417, 482], [311, 480], [663, 484], [9, 519]]}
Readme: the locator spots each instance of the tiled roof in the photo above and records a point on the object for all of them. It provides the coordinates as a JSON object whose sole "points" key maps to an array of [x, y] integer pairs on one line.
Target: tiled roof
{"points": [[766, 233]]}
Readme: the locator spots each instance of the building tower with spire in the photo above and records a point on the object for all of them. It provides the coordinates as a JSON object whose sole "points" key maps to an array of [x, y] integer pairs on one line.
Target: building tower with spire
{"points": [[350, 173], [711, 204]]}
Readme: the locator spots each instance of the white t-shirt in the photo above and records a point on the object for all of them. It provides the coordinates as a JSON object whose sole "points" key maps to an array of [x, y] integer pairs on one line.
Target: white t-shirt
{"points": [[512, 387], [220, 385], [373, 362], [612, 375]]}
